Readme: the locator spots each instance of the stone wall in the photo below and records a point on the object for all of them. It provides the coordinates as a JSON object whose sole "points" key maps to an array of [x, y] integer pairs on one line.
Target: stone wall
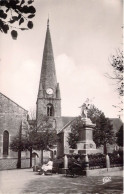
{"points": [[11, 163], [42, 108], [11, 117], [25, 163], [101, 171], [60, 144]]}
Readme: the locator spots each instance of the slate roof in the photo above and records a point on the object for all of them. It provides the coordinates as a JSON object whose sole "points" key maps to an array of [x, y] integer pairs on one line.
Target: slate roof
{"points": [[117, 123], [66, 121]]}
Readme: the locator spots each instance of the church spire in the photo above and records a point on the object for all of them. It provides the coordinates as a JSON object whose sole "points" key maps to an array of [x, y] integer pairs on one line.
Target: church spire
{"points": [[48, 99], [48, 22], [48, 73]]}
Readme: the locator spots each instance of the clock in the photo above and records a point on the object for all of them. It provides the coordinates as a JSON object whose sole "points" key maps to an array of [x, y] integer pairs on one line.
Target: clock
{"points": [[49, 91]]}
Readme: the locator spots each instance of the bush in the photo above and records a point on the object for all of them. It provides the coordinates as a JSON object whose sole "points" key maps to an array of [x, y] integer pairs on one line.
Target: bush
{"points": [[97, 160], [58, 163], [116, 158]]}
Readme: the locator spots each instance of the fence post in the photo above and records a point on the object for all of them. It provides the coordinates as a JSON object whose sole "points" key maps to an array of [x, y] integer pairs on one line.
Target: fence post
{"points": [[65, 161], [86, 162], [118, 155], [107, 162]]}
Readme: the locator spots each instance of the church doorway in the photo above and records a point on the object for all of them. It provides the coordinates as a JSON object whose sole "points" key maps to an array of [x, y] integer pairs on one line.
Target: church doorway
{"points": [[35, 159]]}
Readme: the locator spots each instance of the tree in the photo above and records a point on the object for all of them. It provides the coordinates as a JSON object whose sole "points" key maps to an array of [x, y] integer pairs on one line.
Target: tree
{"points": [[18, 12], [74, 135], [116, 62], [102, 134], [32, 114], [41, 137], [45, 136], [43, 140], [19, 144], [120, 136]]}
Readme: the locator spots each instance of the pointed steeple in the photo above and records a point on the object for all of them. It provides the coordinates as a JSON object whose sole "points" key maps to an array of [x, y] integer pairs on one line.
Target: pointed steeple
{"points": [[48, 74], [48, 99], [48, 22]]}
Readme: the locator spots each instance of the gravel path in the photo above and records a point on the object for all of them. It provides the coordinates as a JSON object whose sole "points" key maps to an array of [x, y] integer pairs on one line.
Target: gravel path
{"points": [[25, 181], [13, 181]]}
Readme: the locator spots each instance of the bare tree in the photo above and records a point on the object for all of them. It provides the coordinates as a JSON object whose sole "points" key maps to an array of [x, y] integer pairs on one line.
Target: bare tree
{"points": [[32, 114], [116, 61]]}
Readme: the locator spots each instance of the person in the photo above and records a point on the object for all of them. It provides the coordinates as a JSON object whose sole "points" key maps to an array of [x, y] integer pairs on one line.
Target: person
{"points": [[47, 166], [74, 166]]}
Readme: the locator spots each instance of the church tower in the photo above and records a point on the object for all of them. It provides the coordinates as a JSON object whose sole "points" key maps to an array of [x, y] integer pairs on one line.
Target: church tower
{"points": [[48, 99]]}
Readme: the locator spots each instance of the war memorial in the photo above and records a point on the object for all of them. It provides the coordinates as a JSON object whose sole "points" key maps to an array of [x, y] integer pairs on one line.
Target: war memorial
{"points": [[52, 153]]}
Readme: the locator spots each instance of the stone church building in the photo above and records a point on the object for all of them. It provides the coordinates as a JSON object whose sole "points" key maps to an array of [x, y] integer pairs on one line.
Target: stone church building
{"points": [[12, 116]]}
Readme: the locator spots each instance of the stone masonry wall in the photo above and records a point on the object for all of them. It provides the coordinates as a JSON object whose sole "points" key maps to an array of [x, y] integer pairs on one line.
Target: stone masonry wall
{"points": [[11, 163], [42, 108], [11, 116]]}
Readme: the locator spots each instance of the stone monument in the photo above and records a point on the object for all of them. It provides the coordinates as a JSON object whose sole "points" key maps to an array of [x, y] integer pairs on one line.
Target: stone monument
{"points": [[86, 145]]}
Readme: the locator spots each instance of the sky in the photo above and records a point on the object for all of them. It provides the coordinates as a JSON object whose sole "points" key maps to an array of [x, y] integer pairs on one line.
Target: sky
{"points": [[85, 34]]}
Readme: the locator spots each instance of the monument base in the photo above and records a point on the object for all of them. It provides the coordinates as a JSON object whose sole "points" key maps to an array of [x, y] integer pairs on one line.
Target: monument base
{"points": [[87, 151], [85, 144], [89, 144]]}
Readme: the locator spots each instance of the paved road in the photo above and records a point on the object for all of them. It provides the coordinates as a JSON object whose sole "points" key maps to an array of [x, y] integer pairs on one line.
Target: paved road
{"points": [[28, 182]]}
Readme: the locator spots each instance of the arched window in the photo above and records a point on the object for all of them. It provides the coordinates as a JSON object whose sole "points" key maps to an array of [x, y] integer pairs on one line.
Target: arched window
{"points": [[5, 143], [50, 110]]}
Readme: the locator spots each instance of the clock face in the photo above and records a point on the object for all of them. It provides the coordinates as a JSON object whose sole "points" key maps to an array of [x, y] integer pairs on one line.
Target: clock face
{"points": [[49, 91]]}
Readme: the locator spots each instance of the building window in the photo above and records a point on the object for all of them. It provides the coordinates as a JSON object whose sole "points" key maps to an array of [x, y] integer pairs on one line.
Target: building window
{"points": [[50, 110], [5, 143]]}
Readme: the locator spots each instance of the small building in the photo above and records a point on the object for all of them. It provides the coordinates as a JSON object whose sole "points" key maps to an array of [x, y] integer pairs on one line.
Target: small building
{"points": [[63, 145]]}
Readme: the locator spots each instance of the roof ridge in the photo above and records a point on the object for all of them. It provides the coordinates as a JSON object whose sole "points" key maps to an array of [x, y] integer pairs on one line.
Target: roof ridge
{"points": [[66, 125], [13, 101]]}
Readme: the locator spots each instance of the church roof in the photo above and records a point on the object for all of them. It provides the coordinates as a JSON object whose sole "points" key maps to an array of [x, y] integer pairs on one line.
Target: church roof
{"points": [[117, 123], [48, 73], [13, 102], [66, 121]]}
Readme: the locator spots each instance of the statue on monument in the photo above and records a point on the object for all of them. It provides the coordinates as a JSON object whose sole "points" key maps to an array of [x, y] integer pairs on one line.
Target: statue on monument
{"points": [[85, 144], [84, 108]]}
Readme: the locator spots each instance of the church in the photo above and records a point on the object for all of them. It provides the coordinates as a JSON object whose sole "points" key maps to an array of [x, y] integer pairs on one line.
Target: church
{"points": [[48, 103]]}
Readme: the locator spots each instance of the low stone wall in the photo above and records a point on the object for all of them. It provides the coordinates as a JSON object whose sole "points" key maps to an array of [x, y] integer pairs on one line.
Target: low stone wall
{"points": [[11, 163], [101, 171], [93, 172], [8, 163], [25, 163]]}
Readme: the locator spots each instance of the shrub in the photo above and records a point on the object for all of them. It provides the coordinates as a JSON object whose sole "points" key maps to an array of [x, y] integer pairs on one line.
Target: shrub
{"points": [[97, 160]]}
